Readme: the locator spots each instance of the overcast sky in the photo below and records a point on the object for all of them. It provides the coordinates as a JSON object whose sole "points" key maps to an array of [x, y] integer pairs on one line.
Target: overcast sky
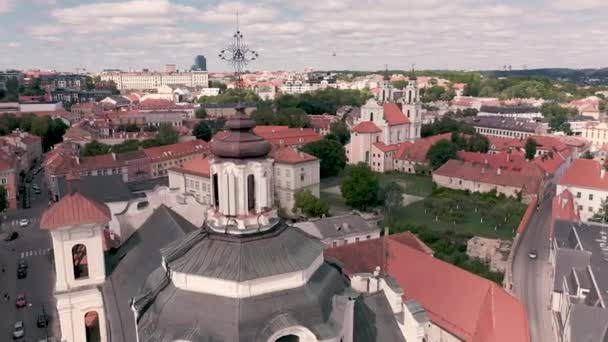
{"points": [[292, 35]]}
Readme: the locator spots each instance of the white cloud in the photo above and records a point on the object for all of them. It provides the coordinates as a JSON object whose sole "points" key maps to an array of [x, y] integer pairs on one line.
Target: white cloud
{"points": [[6, 6], [13, 45], [578, 5]]}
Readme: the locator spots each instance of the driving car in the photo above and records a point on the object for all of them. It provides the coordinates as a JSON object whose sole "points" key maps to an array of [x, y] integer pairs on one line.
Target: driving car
{"points": [[18, 330], [20, 302], [11, 236], [22, 264], [21, 273], [24, 222], [42, 321], [533, 254]]}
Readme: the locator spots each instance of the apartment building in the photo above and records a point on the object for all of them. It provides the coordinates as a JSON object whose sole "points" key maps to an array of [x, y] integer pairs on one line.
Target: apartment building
{"points": [[506, 127], [587, 181], [163, 158], [153, 80]]}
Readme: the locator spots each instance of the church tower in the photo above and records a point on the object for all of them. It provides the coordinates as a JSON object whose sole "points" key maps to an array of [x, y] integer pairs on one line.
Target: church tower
{"points": [[77, 225], [412, 107], [386, 89]]}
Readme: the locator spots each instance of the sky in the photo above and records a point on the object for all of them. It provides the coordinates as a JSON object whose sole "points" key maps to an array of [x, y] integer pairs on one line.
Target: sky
{"points": [[66, 35]]}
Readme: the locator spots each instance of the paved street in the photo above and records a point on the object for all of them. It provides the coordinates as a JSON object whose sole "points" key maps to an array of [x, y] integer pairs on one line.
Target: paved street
{"points": [[35, 247], [532, 279]]}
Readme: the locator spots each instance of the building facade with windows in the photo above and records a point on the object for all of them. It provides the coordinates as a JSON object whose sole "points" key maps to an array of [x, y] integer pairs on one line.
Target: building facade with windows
{"points": [[587, 181], [153, 80]]}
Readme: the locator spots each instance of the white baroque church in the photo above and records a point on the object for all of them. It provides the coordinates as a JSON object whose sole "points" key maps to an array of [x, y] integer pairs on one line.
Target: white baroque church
{"points": [[391, 119], [241, 275]]}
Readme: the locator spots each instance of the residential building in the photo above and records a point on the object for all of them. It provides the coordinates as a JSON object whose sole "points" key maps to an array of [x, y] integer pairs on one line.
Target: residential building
{"points": [[115, 102], [9, 179], [193, 178], [505, 127], [433, 300], [341, 230], [33, 107], [322, 123], [579, 124], [385, 126], [528, 183], [162, 158], [578, 299], [516, 112], [596, 134], [153, 80], [407, 157], [587, 180], [589, 106], [169, 68], [225, 110], [9, 74], [281, 136], [301, 87], [31, 144]]}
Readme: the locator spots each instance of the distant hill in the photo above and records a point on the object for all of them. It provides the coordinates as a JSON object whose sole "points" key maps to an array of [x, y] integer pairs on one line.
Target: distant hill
{"points": [[578, 76]]}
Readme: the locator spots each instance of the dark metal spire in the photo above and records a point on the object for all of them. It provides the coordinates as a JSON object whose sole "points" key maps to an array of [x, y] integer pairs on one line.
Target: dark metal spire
{"points": [[238, 54]]}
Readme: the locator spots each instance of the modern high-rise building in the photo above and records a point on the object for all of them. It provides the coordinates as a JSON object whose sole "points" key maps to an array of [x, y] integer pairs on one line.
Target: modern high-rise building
{"points": [[200, 62]]}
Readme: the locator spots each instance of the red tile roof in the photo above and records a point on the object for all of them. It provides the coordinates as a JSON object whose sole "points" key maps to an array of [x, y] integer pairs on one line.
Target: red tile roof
{"points": [[393, 115], [563, 208], [552, 161], [514, 160], [387, 148], [585, 173], [290, 155], [74, 209], [417, 151], [103, 161], [322, 121], [198, 166], [528, 179], [470, 307], [173, 151], [366, 127], [285, 136]]}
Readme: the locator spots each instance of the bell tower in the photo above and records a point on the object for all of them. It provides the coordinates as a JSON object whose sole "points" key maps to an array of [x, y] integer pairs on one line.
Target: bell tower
{"points": [[412, 107], [77, 225], [241, 179]]}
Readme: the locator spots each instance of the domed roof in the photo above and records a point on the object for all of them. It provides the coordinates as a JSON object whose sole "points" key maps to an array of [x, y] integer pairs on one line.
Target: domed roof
{"points": [[239, 141]]}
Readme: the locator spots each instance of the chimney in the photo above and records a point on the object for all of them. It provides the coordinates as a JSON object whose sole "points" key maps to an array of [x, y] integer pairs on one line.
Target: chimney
{"points": [[498, 171]]}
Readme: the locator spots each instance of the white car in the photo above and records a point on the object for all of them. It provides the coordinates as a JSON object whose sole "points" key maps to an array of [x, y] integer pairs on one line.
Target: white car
{"points": [[18, 330], [24, 222]]}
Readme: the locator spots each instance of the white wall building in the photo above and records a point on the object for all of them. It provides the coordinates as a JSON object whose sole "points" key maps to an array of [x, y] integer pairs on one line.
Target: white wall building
{"points": [[152, 80], [587, 181]]}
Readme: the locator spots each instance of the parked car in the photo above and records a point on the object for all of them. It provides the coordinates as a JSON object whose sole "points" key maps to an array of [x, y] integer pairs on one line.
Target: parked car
{"points": [[533, 254], [21, 273], [20, 302], [42, 320], [11, 236], [37, 190], [18, 330], [22, 264], [24, 222]]}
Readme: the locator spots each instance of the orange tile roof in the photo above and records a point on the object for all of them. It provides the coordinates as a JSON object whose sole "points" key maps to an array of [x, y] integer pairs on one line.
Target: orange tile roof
{"points": [[514, 160], [103, 161], [387, 148], [470, 307], [528, 179], [563, 208], [198, 166], [322, 121], [393, 115], [74, 209], [290, 155], [585, 173], [417, 151], [366, 127], [285, 136], [173, 151]]}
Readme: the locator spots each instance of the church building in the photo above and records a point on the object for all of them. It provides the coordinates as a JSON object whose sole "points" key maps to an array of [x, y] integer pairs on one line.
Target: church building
{"points": [[244, 275], [384, 125]]}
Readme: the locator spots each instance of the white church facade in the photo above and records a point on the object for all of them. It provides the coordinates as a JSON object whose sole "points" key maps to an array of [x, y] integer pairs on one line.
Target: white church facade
{"points": [[385, 124]]}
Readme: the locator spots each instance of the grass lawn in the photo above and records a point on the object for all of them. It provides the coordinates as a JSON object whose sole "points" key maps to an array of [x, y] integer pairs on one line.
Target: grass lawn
{"points": [[462, 213], [416, 185]]}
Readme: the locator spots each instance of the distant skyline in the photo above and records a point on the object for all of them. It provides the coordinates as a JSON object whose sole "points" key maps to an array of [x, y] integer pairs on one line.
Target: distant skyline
{"points": [[292, 35]]}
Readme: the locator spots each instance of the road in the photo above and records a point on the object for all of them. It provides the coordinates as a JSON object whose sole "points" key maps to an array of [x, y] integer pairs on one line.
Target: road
{"points": [[532, 278], [35, 247]]}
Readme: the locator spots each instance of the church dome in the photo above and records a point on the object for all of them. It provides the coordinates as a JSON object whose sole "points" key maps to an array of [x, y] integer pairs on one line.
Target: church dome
{"points": [[239, 141]]}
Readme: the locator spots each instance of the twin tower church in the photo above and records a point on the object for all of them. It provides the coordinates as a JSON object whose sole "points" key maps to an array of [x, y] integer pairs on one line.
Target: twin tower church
{"points": [[243, 275]]}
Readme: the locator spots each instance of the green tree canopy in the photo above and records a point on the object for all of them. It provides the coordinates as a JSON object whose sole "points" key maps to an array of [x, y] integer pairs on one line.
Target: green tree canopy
{"points": [[601, 216], [340, 131], [95, 148], [360, 187], [126, 146], [446, 125], [530, 148], [441, 152], [201, 113], [167, 135], [310, 205], [330, 152], [202, 131], [436, 93]]}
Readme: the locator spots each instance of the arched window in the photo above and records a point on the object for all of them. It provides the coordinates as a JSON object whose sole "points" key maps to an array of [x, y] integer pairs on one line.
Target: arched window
{"points": [[371, 116], [79, 261], [288, 338], [250, 192], [91, 323], [408, 113], [216, 196]]}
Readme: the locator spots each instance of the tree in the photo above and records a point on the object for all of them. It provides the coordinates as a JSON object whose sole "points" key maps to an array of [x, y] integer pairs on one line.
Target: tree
{"points": [[441, 152], [399, 84], [202, 131], [330, 152], [392, 198], [310, 205], [360, 187], [95, 148], [3, 198], [601, 216], [126, 146], [166, 135], [340, 131], [201, 113], [478, 143], [530, 148]]}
